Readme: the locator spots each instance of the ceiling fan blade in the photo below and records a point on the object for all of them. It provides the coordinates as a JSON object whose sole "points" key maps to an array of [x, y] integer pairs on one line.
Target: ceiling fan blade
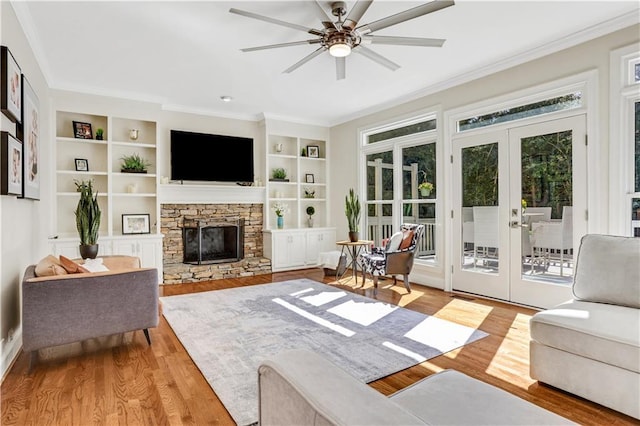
{"points": [[404, 41], [376, 57], [341, 68], [275, 21], [304, 60], [356, 13], [272, 46], [405, 16], [323, 17]]}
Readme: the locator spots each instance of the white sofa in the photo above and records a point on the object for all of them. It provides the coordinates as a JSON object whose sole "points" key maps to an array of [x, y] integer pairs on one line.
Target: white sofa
{"points": [[590, 345], [300, 387]]}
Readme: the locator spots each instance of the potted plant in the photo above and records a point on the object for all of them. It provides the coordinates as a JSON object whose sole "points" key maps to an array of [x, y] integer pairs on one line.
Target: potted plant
{"points": [[133, 163], [87, 219], [352, 211], [279, 174], [99, 134], [310, 212], [309, 193], [425, 186]]}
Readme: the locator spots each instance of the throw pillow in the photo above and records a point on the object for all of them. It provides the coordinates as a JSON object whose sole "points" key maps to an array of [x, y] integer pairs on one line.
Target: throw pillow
{"points": [[94, 265], [394, 242], [49, 266], [407, 239], [70, 266]]}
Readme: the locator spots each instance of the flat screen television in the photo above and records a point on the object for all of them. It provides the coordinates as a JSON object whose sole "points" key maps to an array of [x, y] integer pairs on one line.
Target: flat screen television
{"points": [[211, 158]]}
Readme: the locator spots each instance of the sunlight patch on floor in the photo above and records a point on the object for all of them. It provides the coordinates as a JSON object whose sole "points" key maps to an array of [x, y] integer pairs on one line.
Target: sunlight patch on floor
{"points": [[324, 297], [363, 313], [457, 308], [404, 351], [439, 334], [320, 321]]}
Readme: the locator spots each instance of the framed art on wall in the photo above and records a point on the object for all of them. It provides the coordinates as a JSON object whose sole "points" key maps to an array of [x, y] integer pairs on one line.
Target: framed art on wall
{"points": [[82, 130], [30, 141], [136, 224], [11, 82], [11, 167]]}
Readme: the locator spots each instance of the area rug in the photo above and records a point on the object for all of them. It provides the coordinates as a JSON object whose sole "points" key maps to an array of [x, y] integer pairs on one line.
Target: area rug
{"points": [[228, 333]]}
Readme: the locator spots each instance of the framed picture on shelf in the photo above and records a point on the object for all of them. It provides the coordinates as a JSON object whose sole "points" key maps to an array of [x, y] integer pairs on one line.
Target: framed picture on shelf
{"points": [[313, 151], [308, 178], [30, 141], [82, 165], [136, 224], [11, 168], [11, 80], [82, 130]]}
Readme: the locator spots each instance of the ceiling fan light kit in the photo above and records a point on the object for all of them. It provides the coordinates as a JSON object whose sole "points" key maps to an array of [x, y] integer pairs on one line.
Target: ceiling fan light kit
{"points": [[344, 36]]}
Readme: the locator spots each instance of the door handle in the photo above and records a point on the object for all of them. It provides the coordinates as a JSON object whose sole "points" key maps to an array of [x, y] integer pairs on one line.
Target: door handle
{"points": [[514, 224]]}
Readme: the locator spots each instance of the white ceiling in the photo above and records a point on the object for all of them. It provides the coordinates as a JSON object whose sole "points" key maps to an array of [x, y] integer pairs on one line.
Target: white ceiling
{"points": [[185, 55]]}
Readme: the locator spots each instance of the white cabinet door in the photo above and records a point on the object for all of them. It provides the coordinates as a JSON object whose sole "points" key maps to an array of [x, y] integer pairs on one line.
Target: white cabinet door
{"points": [[297, 249], [318, 241], [288, 250]]}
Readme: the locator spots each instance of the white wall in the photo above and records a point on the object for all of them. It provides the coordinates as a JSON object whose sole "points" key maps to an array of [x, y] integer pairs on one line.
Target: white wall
{"points": [[592, 55], [23, 223]]}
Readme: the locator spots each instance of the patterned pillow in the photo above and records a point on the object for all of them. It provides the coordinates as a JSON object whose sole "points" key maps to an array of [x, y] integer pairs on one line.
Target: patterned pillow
{"points": [[94, 265], [394, 242], [407, 239]]}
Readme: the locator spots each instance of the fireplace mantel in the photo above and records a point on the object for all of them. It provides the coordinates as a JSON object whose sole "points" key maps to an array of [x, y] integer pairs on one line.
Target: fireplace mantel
{"points": [[175, 193]]}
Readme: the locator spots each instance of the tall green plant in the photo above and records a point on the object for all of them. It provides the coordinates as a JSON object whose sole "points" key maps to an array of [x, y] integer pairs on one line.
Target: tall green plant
{"points": [[87, 213], [352, 210]]}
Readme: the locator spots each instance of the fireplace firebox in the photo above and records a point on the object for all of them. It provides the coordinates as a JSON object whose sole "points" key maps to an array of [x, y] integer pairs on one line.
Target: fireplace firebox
{"points": [[207, 243]]}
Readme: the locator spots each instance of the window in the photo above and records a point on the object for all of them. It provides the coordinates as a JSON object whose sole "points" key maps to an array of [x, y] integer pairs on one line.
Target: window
{"points": [[400, 180], [569, 101], [625, 156]]}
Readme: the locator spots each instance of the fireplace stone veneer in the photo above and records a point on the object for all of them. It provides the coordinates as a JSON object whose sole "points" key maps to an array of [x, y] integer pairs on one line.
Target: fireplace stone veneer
{"points": [[175, 217]]}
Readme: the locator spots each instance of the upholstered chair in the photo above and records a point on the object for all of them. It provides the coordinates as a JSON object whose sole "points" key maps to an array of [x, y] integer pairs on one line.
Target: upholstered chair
{"points": [[396, 258]]}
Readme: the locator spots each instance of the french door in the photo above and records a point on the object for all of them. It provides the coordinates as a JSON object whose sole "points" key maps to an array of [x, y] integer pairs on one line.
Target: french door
{"points": [[519, 211]]}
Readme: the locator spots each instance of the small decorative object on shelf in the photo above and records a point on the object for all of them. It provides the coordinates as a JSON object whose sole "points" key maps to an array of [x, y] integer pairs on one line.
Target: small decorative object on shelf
{"points": [[309, 193], [136, 224], [309, 178], [82, 165], [133, 134], [278, 147], [279, 174], [352, 211], [88, 219], [82, 130], [313, 151], [280, 209], [310, 212], [304, 152], [133, 163], [99, 134]]}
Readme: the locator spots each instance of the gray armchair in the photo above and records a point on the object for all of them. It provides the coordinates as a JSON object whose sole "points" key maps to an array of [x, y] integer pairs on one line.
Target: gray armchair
{"points": [[396, 258]]}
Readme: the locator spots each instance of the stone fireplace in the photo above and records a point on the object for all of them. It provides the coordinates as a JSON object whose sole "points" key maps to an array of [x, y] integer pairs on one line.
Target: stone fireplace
{"points": [[212, 230]]}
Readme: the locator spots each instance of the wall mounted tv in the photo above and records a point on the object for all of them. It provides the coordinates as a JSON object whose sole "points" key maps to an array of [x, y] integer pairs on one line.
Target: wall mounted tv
{"points": [[211, 158]]}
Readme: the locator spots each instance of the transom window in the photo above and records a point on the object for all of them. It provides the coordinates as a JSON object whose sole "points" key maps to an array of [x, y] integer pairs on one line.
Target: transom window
{"points": [[569, 101]]}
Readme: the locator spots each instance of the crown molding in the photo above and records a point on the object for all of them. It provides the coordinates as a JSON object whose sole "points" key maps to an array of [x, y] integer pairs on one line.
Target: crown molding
{"points": [[28, 27]]}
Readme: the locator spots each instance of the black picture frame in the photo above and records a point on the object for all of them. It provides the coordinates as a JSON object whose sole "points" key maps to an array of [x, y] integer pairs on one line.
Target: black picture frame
{"points": [[82, 165], [309, 178], [313, 151], [136, 224], [30, 131], [10, 86], [82, 130], [11, 167]]}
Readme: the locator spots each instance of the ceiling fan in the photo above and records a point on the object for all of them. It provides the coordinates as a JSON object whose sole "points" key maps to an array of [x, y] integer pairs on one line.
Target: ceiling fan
{"points": [[344, 36]]}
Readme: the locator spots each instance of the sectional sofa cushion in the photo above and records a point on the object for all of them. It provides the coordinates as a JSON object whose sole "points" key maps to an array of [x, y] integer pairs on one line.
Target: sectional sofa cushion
{"points": [[619, 282], [591, 330]]}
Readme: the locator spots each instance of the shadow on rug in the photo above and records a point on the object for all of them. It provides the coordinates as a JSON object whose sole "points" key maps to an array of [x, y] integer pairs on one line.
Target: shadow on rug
{"points": [[228, 333]]}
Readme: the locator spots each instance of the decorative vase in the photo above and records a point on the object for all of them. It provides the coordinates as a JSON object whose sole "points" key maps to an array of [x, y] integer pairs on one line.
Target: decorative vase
{"points": [[425, 192], [280, 222], [353, 237], [89, 251], [133, 134]]}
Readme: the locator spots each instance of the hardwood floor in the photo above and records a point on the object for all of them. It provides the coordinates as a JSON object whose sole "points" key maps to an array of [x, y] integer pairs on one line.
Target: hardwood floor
{"points": [[123, 380]]}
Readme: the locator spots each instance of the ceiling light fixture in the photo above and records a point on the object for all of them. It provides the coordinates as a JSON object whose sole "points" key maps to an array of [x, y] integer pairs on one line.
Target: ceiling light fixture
{"points": [[340, 50], [226, 98]]}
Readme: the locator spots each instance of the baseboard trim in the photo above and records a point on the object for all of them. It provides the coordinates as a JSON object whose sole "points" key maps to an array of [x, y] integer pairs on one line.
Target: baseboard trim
{"points": [[10, 353]]}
